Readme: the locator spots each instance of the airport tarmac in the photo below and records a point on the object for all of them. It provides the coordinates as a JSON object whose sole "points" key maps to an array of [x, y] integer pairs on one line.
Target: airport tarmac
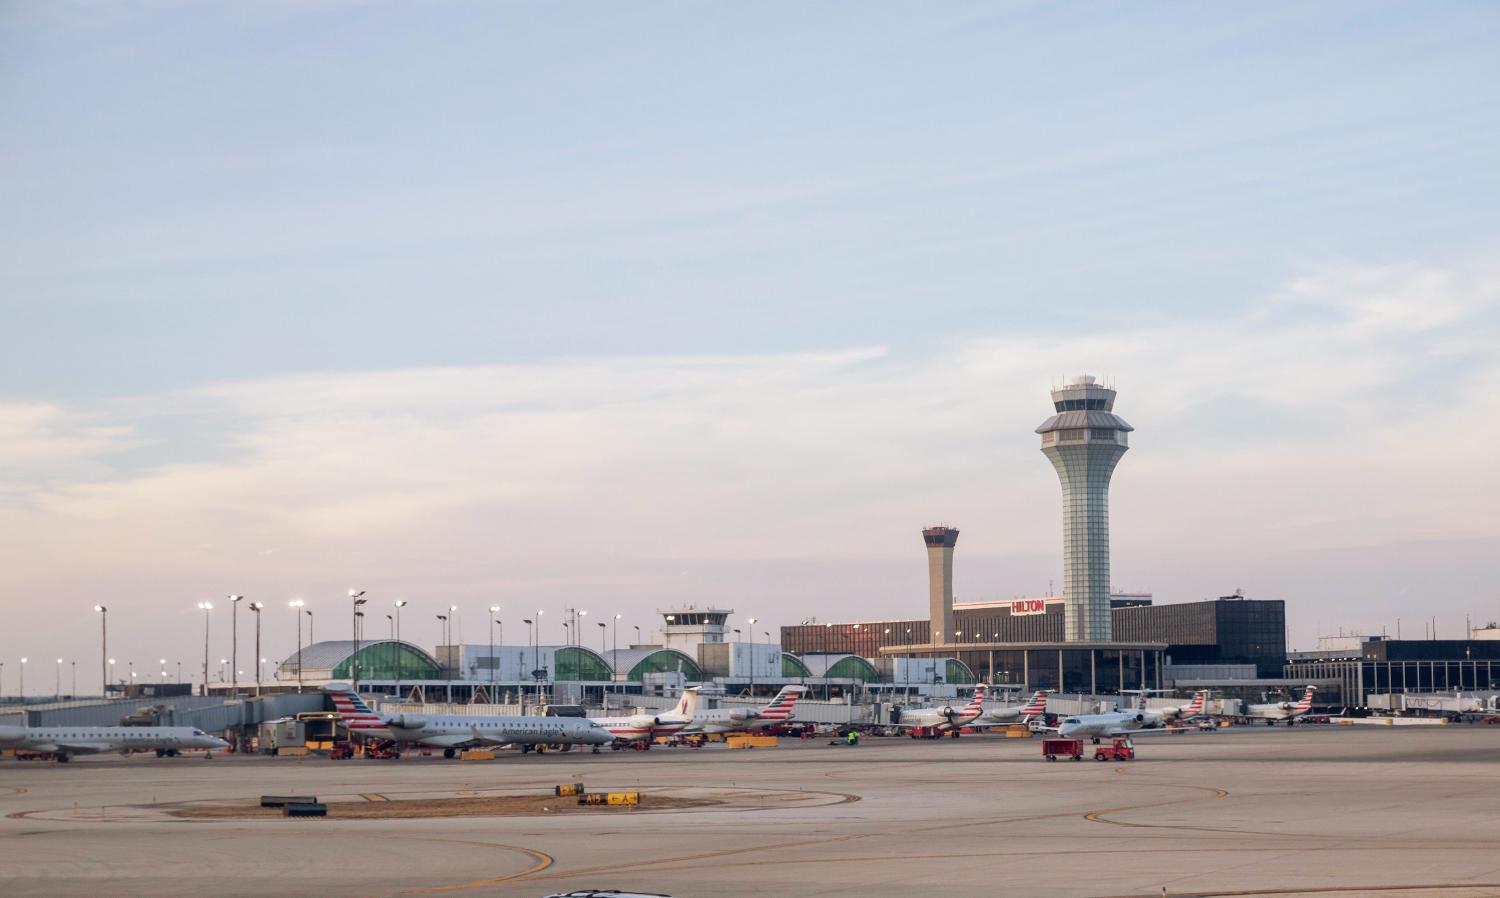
{"points": [[1310, 810]]}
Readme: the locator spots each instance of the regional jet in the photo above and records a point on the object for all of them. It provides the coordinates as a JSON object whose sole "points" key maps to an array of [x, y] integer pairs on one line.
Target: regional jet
{"points": [[63, 742], [740, 720], [944, 719], [638, 730], [1121, 723], [1288, 711], [451, 733]]}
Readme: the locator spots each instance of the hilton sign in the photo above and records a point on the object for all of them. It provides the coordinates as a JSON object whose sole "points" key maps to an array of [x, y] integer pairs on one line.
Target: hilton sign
{"points": [[1028, 606]]}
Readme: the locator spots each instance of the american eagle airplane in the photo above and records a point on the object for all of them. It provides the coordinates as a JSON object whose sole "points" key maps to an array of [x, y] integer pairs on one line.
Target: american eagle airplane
{"points": [[1037, 707], [64, 742], [637, 730], [738, 720], [452, 732], [945, 719], [1288, 711]]}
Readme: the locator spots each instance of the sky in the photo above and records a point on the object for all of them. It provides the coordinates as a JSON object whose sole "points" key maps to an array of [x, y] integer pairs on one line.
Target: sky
{"points": [[629, 306]]}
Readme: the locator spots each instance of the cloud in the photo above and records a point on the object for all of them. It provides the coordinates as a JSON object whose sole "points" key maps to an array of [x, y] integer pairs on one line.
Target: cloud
{"points": [[1355, 409]]}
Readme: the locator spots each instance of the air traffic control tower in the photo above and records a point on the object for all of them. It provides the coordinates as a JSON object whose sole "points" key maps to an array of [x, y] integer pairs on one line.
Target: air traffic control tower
{"points": [[1084, 441]]}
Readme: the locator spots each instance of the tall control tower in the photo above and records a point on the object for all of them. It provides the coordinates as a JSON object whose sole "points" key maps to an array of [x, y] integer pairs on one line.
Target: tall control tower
{"points": [[1084, 441]]}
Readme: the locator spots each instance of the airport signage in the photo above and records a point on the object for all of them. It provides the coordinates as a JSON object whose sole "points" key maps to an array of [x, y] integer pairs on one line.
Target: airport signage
{"points": [[1028, 606]]}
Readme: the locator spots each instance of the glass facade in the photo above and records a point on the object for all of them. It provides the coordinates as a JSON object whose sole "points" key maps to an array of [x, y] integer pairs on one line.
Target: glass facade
{"points": [[577, 663], [389, 661], [664, 661]]}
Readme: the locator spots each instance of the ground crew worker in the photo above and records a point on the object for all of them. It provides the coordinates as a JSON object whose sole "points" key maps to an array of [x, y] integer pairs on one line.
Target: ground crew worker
{"points": [[853, 737]]}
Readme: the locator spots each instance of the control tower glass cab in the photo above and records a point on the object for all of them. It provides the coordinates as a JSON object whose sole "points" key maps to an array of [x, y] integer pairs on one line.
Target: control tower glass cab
{"points": [[1084, 441], [687, 628]]}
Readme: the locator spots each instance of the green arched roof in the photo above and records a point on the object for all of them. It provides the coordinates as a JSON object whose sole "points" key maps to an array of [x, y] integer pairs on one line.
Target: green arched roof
{"points": [[958, 672], [792, 666], [388, 660], [852, 667], [574, 662], [665, 660]]}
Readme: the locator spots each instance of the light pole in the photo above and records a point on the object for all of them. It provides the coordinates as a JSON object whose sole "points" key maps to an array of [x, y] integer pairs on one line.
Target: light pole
{"points": [[355, 598], [111, 670], [163, 663], [73, 690], [57, 685], [205, 607], [312, 635], [494, 664], [578, 627], [296, 606], [443, 635], [752, 656], [234, 642], [400, 655], [256, 607], [223, 663], [103, 647], [614, 655], [637, 635], [23, 681], [530, 629], [390, 621]]}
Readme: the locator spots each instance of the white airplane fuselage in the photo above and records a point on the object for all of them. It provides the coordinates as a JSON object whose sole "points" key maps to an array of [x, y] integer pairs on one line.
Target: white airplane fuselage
{"points": [[65, 740], [450, 732]]}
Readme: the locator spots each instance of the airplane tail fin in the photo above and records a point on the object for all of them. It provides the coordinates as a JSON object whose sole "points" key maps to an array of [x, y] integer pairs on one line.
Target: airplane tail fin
{"points": [[352, 709], [780, 707], [978, 701], [1195, 707], [1037, 707], [1306, 703], [687, 704]]}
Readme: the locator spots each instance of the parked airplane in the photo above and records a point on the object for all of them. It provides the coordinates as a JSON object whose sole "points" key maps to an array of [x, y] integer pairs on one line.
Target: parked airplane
{"points": [[738, 720], [1120, 723], [638, 730], [1037, 707], [1288, 711], [945, 719], [450, 733], [63, 742]]}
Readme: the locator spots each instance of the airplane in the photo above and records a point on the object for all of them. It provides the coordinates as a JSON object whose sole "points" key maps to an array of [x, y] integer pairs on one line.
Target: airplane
{"points": [[450, 733], [737, 720], [945, 719], [63, 742], [638, 730], [1120, 723], [1037, 707], [1288, 711]]}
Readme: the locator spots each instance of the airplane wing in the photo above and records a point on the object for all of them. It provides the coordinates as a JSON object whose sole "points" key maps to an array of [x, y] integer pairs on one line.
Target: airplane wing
{"points": [[75, 748]]}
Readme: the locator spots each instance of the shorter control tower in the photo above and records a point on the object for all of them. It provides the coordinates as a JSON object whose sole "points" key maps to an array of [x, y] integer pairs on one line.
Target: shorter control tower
{"points": [[687, 628], [940, 542], [1084, 442]]}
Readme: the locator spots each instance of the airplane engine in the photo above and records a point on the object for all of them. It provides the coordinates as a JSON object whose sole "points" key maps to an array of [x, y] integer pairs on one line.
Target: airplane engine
{"points": [[949, 713], [1140, 718], [407, 722], [741, 714], [644, 722], [1286, 706]]}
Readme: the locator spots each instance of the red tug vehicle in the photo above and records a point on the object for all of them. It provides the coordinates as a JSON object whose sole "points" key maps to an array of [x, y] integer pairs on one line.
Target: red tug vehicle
{"points": [[1119, 749]]}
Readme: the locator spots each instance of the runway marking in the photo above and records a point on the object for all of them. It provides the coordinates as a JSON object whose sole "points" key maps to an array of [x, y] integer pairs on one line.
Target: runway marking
{"points": [[373, 796], [1098, 816], [540, 861]]}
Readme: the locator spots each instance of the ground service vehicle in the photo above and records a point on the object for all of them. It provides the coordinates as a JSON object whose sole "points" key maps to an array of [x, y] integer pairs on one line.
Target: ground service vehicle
{"points": [[1052, 749], [1119, 749]]}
